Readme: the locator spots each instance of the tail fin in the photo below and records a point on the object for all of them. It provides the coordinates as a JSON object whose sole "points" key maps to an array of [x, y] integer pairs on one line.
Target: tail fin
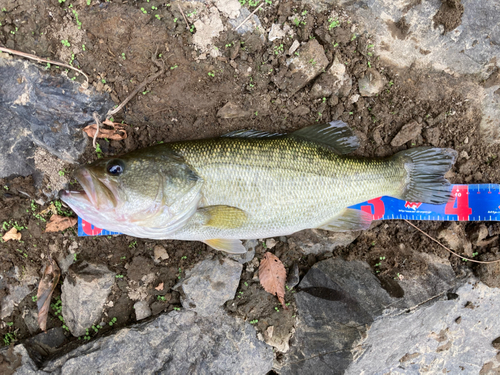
{"points": [[425, 167]]}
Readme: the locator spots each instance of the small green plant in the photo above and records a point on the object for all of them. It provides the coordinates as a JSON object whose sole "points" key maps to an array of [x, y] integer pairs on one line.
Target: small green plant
{"points": [[9, 338], [144, 11], [98, 151], [83, 47], [278, 49], [474, 254], [124, 58], [353, 37], [296, 22], [392, 83], [175, 19], [180, 273], [211, 74], [61, 1], [369, 64], [277, 309], [88, 2], [161, 298], [191, 28], [268, 2], [177, 308], [65, 43], [61, 173], [76, 19], [255, 321], [333, 23], [75, 257], [120, 276], [304, 12], [184, 257], [312, 61], [245, 283], [158, 16], [112, 321], [34, 298], [153, 7]]}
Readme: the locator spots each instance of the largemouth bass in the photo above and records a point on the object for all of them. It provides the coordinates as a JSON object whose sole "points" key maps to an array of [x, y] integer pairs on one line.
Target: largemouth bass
{"points": [[251, 184]]}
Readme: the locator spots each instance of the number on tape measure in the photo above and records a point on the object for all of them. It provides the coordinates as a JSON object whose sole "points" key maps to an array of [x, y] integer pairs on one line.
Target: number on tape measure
{"points": [[459, 202]]}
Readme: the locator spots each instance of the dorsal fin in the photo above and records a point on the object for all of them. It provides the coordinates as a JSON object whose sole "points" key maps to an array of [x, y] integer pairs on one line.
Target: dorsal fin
{"points": [[251, 134], [337, 135]]}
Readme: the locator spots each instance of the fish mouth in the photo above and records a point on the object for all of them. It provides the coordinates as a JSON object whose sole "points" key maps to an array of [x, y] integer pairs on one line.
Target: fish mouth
{"points": [[97, 193]]}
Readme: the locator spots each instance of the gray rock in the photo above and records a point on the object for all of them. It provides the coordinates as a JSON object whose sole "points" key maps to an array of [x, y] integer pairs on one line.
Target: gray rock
{"points": [[37, 108], [331, 82], [249, 255], [371, 84], [303, 68], [230, 8], [293, 47], [45, 343], [249, 26], [276, 32], [407, 133], [19, 285], [84, 293], [347, 298], [142, 310], [209, 284], [320, 241], [177, 343], [231, 110]]}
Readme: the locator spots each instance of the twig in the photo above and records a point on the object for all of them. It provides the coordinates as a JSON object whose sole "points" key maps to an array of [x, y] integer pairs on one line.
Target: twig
{"points": [[451, 251], [39, 59], [98, 125], [246, 19], [147, 81], [185, 19]]}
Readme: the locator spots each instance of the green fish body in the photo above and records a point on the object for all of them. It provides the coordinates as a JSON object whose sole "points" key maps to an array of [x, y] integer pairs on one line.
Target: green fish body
{"points": [[249, 185]]}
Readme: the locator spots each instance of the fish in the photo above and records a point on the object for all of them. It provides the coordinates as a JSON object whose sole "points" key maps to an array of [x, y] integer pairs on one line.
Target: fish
{"points": [[251, 184]]}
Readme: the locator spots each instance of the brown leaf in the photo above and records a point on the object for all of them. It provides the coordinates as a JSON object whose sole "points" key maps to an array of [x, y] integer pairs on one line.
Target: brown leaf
{"points": [[272, 275], [58, 223], [45, 288], [117, 133], [12, 234]]}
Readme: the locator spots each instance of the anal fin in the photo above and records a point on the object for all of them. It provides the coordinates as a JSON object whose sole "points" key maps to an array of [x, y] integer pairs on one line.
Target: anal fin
{"points": [[223, 217], [347, 220], [228, 246]]}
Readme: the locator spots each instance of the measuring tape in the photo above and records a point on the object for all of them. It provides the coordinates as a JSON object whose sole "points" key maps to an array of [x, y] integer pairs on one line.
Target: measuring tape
{"points": [[467, 203]]}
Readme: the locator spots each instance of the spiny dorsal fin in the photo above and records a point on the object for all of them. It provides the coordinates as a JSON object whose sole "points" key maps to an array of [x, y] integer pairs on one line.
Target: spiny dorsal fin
{"points": [[251, 134], [223, 217], [337, 135], [229, 246], [348, 219]]}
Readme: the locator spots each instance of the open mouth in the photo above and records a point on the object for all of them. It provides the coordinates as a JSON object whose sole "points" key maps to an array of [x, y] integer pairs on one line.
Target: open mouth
{"points": [[94, 191]]}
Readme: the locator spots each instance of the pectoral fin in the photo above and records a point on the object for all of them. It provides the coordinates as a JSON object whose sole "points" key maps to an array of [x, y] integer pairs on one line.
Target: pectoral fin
{"points": [[347, 220], [229, 246], [223, 217]]}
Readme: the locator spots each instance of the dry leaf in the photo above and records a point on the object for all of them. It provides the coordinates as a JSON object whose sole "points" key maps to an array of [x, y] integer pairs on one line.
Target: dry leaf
{"points": [[58, 223], [45, 288], [12, 234], [117, 133], [159, 287], [272, 275]]}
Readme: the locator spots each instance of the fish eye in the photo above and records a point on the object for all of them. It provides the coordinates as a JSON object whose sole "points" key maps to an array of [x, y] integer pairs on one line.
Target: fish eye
{"points": [[115, 167]]}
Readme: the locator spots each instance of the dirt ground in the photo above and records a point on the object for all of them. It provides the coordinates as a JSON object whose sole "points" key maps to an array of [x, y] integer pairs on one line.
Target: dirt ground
{"points": [[114, 45]]}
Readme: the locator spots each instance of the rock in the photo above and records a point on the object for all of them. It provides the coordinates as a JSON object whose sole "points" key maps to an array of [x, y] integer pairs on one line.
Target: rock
{"points": [[276, 32], [433, 136], [331, 82], [303, 68], [301, 110], [38, 108], [45, 343], [348, 298], [318, 241], [177, 343], [249, 255], [407, 133], [456, 238], [231, 110], [253, 23], [209, 285], [488, 273], [30, 317], [84, 293], [160, 253], [293, 277], [142, 310], [293, 47], [230, 8], [371, 83], [19, 285], [208, 27]]}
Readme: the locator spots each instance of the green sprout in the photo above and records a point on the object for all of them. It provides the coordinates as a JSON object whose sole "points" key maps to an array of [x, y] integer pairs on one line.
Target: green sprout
{"points": [[124, 58], [177, 308], [144, 11], [255, 321], [211, 74], [65, 43], [158, 16], [333, 23], [120, 276]]}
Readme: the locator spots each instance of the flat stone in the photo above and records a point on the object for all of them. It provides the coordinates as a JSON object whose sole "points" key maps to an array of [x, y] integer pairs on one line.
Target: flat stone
{"points": [[348, 298], [46, 343], [309, 63], [231, 110], [178, 343], [319, 241], [251, 25], [371, 84], [332, 81], [208, 27], [230, 8], [407, 133], [84, 293], [209, 284], [160, 253], [142, 310], [276, 32], [38, 108]]}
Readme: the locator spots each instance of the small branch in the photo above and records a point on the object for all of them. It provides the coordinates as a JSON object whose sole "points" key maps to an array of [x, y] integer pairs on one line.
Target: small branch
{"points": [[451, 251], [246, 19], [98, 125], [144, 83], [39, 59], [185, 19]]}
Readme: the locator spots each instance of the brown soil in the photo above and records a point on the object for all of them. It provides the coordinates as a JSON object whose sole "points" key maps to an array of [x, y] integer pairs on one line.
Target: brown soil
{"points": [[119, 41], [449, 15]]}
